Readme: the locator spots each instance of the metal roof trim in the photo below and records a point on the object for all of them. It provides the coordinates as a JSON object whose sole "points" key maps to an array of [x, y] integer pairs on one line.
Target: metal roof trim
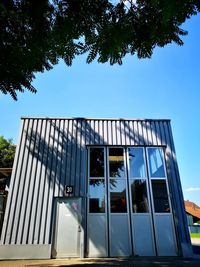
{"points": [[96, 119]]}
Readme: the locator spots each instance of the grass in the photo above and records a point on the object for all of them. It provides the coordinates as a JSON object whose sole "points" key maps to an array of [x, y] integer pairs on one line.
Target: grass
{"points": [[196, 235]]}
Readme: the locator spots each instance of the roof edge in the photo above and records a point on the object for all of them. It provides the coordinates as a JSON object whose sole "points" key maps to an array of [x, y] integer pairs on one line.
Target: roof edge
{"points": [[97, 119]]}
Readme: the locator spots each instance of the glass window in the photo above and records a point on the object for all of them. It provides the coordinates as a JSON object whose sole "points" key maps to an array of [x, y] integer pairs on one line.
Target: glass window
{"points": [[139, 196], [116, 162], [1, 202], [97, 196], [136, 162], [118, 196], [160, 197], [96, 162], [156, 162]]}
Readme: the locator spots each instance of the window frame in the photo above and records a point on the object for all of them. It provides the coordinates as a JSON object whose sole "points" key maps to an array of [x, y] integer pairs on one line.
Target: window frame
{"points": [[162, 148], [125, 178], [96, 178]]}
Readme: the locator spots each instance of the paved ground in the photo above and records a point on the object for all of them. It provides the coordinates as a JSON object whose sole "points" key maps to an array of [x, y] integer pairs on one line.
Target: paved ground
{"points": [[116, 262]]}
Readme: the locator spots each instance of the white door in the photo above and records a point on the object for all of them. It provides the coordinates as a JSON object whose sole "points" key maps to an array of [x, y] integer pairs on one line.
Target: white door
{"points": [[67, 236]]}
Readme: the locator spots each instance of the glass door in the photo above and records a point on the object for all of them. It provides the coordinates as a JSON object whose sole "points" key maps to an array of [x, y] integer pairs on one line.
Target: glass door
{"points": [[162, 211], [129, 209], [97, 205], [141, 218], [119, 223]]}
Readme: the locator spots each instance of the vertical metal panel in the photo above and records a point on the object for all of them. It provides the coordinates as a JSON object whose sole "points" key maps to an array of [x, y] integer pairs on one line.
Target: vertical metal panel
{"points": [[83, 164], [65, 156], [140, 134], [177, 196], [92, 132], [5, 235], [110, 138], [149, 134], [40, 177], [44, 155], [127, 132], [144, 132], [78, 157], [161, 133], [118, 132], [62, 156], [105, 132], [45, 188], [100, 132], [122, 131], [56, 158], [69, 150], [114, 136], [51, 182], [96, 130], [24, 184], [173, 185], [32, 237], [32, 195], [87, 131], [30, 209], [73, 154], [154, 134], [136, 134], [131, 133], [158, 134]]}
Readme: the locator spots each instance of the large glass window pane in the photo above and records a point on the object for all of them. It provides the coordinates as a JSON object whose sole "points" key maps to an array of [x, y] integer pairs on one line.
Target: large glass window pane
{"points": [[136, 162], [1, 202], [139, 196], [96, 162], [118, 196], [97, 196], [160, 197], [116, 162], [156, 162]]}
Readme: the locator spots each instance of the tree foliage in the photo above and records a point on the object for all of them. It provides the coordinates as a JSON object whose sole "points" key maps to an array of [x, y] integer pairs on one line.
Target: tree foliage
{"points": [[36, 34], [7, 152]]}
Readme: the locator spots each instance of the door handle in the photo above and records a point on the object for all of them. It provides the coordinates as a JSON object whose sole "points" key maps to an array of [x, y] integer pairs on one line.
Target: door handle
{"points": [[79, 228]]}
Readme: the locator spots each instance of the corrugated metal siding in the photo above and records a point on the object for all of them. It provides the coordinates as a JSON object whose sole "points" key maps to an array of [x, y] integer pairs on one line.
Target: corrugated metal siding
{"points": [[52, 154]]}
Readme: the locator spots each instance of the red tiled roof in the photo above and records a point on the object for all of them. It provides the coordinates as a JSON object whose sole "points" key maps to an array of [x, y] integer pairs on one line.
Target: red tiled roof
{"points": [[192, 209]]}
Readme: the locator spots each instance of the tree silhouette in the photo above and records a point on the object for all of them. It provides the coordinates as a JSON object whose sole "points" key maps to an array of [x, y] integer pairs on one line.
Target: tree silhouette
{"points": [[36, 34]]}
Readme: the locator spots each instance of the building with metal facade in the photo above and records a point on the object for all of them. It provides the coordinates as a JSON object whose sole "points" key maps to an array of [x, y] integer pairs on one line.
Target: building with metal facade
{"points": [[94, 188]]}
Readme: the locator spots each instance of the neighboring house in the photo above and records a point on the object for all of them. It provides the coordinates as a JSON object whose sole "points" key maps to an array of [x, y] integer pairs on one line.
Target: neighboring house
{"points": [[193, 216], [95, 188]]}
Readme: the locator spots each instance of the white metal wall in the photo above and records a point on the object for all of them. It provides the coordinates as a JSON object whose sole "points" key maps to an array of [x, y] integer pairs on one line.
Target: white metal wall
{"points": [[52, 153]]}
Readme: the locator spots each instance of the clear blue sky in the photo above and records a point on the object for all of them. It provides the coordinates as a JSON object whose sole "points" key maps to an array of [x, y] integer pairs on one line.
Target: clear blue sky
{"points": [[165, 86]]}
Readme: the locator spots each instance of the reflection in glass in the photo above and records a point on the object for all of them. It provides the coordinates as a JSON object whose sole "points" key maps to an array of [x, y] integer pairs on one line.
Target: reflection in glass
{"points": [[96, 162], [116, 162], [118, 196], [139, 196], [136, 162], [160, 197], [97, 196], [156, 162], [1, 202]]}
